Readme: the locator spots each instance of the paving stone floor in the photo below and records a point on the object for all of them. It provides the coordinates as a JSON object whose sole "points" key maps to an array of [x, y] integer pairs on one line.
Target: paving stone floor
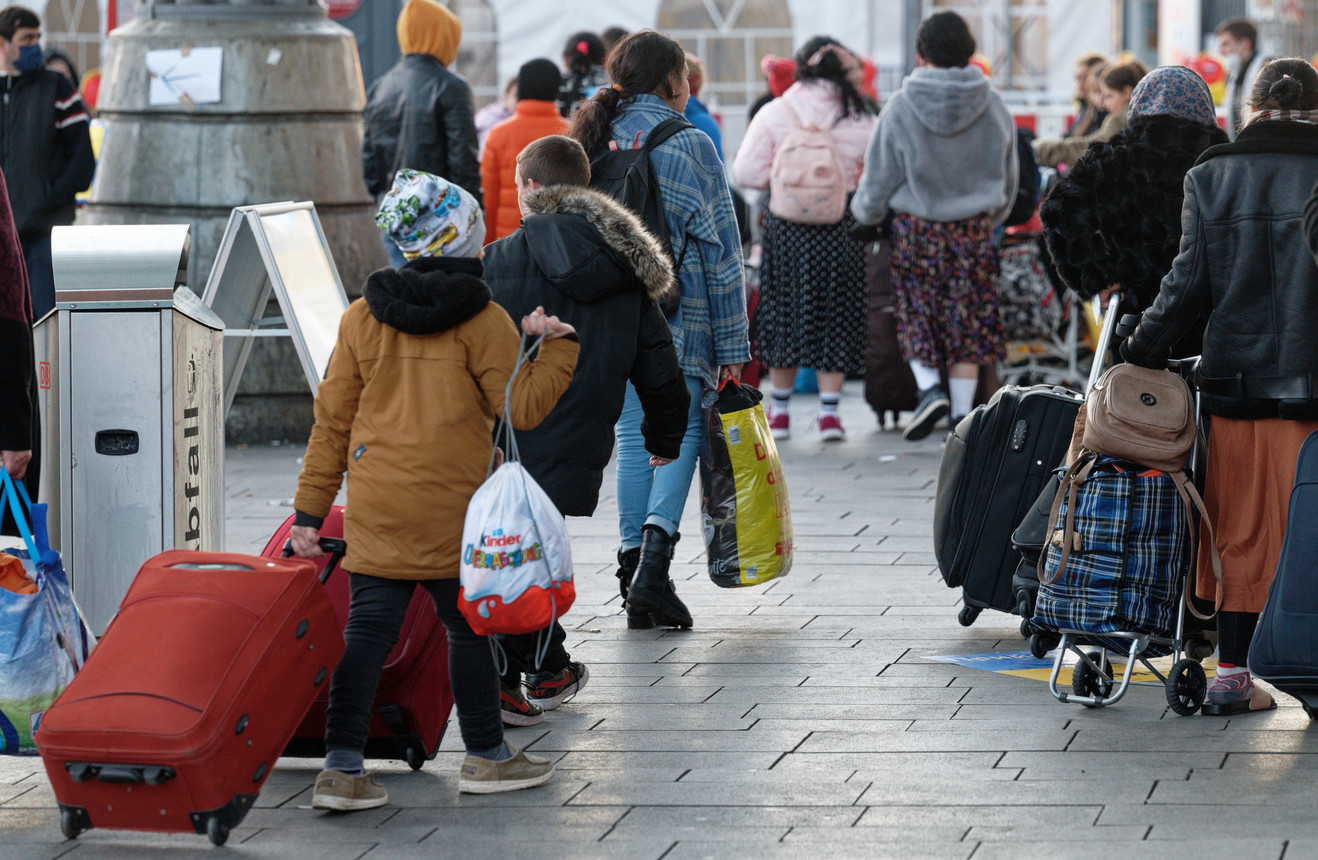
{"points": [[798, 719]]}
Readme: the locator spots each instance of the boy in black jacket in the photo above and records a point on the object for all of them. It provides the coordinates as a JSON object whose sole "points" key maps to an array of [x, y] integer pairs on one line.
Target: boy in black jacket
{"points": [[589, 261]]}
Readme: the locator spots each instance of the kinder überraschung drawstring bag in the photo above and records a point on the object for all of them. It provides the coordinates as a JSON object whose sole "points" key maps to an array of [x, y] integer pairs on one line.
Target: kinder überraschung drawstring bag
{"points": [[516, 568]]}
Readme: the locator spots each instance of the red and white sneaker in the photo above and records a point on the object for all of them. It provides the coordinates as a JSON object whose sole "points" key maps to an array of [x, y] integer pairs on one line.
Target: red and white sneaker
{"points": [[830, 429], [780, 425]]}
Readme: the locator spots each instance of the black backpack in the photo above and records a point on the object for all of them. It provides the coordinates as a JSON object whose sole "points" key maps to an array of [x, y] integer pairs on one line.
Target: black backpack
{"points": [[627, 176]]}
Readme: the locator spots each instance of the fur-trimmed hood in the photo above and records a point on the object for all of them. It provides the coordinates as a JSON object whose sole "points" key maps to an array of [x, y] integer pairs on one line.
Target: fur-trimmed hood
{"points": [[591, 247], [428, 295]]}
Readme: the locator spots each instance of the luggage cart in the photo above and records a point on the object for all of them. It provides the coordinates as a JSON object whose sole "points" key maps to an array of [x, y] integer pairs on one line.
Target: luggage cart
{"points": [[1093, 683]]}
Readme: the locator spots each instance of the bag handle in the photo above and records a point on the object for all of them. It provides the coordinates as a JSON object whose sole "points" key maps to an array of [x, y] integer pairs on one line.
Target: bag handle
{"points": [[505, 432], [1190, 496], [14, 490], [1069, 491]]}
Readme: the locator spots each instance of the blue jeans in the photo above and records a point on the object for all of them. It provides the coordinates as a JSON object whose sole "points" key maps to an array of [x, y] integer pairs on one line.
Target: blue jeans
{"points": [[649, 495], [40, 275]]}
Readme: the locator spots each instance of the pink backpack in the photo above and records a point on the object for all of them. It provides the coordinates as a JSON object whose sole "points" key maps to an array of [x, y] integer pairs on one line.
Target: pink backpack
{"points": [[806, 183]]}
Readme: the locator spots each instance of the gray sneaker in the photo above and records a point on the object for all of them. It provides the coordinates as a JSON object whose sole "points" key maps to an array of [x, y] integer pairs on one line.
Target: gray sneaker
{"points": [[342, 793], [523, 770], [933, 407]]}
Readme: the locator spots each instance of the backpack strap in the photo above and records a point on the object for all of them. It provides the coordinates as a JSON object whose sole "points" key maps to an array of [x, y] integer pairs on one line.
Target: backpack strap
{"points": [[1076, 474], [1190, 496], [792, 116], [663, 131]]}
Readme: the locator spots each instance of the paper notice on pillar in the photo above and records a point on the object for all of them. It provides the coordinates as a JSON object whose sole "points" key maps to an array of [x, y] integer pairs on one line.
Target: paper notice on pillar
{"points": [[190, 76]]}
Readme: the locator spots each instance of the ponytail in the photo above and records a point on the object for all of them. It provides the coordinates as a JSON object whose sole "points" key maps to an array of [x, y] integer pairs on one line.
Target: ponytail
{"points": [[1288, 84], [592, 125], [645, 62]]}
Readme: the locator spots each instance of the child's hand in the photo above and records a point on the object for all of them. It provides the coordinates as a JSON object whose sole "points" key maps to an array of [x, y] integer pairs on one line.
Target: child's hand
{"points": [[536, 324], [306, 541]]}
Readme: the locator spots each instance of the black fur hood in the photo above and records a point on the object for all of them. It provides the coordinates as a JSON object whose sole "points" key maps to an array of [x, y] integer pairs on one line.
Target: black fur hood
{"points": [[626, 256], [429, 295], [1115, 218]]}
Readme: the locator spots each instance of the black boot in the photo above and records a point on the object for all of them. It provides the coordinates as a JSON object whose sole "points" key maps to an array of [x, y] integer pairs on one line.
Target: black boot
{"points": [[652, 590], [627, 561]]}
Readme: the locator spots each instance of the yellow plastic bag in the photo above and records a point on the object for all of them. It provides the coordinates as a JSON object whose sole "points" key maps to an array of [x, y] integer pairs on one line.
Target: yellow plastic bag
{"points": [[745, 513]]}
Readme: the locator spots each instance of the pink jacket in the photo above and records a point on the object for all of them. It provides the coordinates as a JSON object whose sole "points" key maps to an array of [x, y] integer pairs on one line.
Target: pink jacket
{"points": [[814, 102]]}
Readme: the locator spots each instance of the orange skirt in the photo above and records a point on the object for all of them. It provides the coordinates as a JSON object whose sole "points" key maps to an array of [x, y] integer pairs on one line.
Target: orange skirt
{"points": [[1247, 492]]}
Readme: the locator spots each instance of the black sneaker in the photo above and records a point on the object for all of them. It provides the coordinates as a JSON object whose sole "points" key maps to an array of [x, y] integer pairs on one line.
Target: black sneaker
{"points": [[548, 690], [933, 406]]}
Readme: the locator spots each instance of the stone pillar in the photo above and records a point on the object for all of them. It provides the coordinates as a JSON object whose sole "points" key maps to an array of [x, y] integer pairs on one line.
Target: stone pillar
{"points": [[288, 126]]}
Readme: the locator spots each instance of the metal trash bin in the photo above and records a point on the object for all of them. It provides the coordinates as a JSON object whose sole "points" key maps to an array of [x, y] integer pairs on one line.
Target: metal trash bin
{"points": [[130, 399]]}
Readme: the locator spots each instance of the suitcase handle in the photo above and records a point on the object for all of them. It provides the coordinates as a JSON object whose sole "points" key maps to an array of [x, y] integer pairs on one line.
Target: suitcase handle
{"points": [[335, 548], [126, 774]]}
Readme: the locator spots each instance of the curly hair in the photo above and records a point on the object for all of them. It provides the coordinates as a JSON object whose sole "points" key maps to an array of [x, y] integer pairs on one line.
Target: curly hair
{"points": [[1116, 216]]}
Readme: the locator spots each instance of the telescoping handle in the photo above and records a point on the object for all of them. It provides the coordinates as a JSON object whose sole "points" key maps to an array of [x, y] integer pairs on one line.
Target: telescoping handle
{"points": [[335, 548], [1110, 319]]}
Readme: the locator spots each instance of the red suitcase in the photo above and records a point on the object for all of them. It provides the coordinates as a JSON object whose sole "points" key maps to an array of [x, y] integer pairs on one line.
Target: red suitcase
{"points": [[413, 701], [182, 709]]}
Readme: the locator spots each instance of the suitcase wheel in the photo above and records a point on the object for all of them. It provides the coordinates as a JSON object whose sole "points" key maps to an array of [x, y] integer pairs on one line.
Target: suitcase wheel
{"points": [[73, 821], [1041, 643], [1187, 685], [968, 615], [1198, 649], [217, 831], [414, 754]]}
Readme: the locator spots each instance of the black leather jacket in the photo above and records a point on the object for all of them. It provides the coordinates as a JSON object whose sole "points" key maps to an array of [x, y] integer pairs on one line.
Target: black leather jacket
{"points": [[420, 115], [1244, 261]]}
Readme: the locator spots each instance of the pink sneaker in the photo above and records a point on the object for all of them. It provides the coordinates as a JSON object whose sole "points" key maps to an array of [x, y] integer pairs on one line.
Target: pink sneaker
{"points": [[830, 429], [780, 425]]}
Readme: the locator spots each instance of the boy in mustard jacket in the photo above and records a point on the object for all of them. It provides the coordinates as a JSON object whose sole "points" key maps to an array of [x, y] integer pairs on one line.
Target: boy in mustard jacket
{"points": [[416, 377]]}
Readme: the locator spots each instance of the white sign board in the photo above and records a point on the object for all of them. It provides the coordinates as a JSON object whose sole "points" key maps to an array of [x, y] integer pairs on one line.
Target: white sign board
{"points": [[276, 249], [189, 76]]}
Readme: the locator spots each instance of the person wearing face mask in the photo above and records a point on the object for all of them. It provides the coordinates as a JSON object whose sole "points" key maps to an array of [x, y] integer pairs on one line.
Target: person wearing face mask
{"points": [[45, 146], [1237, 43]]}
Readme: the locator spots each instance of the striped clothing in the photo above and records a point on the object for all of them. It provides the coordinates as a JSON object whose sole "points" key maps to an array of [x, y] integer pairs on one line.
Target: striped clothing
{"points": [[710, 327]]}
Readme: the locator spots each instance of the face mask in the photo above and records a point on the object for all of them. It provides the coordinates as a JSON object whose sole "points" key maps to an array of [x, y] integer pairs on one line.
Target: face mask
{"points": [[29, 58], [1232, 64]]}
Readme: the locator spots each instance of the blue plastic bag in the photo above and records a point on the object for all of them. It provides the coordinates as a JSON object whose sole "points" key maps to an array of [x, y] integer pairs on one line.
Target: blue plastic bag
{"points": [[43, 642]]}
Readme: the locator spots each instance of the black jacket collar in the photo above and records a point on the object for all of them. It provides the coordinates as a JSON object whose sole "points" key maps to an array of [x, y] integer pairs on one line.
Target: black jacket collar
{"points": [[1272, 137]]}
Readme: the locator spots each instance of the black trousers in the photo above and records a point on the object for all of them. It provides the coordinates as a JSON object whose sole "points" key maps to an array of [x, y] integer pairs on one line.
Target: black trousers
{"points": [[1234, 632], [375, 618], [521, 649]]}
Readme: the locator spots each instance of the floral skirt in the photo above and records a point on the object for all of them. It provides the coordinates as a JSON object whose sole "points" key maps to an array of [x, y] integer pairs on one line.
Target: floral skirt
{"points": [[946, 278], [812, 296]]}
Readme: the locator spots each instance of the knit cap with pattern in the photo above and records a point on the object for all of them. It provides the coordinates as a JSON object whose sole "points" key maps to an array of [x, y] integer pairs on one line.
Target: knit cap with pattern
{"points": [[427, 216]]}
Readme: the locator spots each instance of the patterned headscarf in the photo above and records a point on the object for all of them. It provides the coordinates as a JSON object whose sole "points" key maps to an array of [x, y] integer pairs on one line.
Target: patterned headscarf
{"points": [[1173, 91], [427, 216]]}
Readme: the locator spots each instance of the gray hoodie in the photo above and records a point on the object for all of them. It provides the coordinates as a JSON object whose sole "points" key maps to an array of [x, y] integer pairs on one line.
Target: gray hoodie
{"points": [[944, 150]]}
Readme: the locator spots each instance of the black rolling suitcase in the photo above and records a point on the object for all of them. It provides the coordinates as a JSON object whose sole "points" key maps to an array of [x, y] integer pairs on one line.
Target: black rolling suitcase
{"points": [[995, 463], [1285, 648]]}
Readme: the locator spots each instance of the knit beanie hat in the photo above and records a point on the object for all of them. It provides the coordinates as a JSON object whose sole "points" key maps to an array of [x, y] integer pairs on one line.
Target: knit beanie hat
{"points": [[781, 72], [425, 27], [540, 80], [427, 216]]}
